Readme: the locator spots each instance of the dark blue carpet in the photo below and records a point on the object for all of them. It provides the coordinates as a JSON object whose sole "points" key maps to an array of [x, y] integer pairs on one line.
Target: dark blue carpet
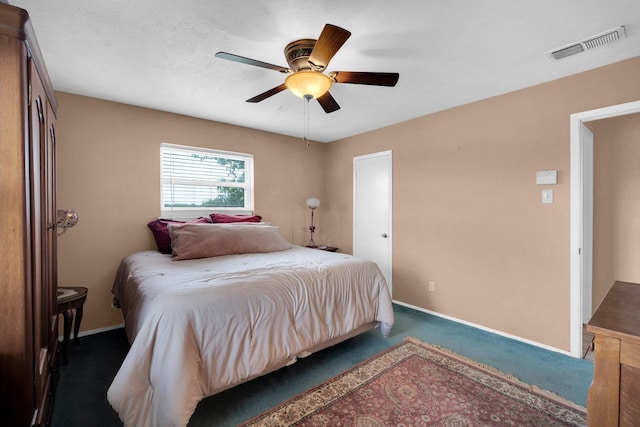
{"points": [[81, 393]]}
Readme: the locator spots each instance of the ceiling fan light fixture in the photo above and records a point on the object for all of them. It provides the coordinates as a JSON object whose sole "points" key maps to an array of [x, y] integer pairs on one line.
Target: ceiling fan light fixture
{"points": [[307, 82]]}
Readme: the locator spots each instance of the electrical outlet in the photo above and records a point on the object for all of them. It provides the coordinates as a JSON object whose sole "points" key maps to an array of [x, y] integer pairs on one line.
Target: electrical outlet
{"points": [[432, 286]]}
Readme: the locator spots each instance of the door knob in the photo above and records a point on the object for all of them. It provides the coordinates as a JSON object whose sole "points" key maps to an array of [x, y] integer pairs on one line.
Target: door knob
{"points": [[384, 235]]}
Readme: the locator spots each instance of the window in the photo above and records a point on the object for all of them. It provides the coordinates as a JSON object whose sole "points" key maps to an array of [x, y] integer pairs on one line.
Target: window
{"points": [[197, 181]]}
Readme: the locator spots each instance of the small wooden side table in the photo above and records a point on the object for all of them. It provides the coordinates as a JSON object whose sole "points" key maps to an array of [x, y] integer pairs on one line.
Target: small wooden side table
{"points": [[68, 300], [613, 395]]}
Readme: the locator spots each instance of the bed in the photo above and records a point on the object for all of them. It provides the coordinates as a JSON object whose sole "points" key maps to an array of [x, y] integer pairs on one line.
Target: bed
{"points": [[200, 326]]}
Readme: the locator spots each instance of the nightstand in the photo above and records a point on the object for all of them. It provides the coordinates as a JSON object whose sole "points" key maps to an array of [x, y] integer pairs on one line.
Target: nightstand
{"points": [[68, 300]]}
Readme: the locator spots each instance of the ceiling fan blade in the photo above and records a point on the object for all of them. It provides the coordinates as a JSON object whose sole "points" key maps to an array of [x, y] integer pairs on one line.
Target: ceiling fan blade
{"points": [[365, 78], [328, 103], [331, 39], [249, 61], [267, 94]]}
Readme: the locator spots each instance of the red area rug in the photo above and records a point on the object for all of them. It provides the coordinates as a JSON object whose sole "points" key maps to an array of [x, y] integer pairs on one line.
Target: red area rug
{"points": [[417, 384]]}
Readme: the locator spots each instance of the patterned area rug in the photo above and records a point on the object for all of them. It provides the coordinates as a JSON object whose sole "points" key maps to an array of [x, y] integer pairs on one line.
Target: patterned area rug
{"points": [[417, 384]]}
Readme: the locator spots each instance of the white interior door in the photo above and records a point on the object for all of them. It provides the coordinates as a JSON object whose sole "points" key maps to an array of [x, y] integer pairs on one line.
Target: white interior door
{"points": [[372, 179]]}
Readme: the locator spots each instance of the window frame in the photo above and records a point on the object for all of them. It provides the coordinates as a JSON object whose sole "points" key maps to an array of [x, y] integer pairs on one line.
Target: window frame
{"points": [[186, 213]]}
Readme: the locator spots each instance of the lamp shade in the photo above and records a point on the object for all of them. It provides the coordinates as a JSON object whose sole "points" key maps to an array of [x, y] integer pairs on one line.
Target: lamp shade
{"points": [[313, 203], [308, 82]]}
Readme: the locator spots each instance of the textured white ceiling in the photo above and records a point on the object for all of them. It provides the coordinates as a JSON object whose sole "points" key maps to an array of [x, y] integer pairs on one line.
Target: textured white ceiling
{"points": [[160, 54]]}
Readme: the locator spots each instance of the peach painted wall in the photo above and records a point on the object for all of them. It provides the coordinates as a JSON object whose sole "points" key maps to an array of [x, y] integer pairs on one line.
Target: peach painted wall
{"points": [[467, 212], [109, 172], [616, 203]]}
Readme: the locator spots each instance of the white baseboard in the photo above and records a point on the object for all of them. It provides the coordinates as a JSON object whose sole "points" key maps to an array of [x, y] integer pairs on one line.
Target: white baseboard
{"points": [[413, 307], [96, 331], [484, 328]]}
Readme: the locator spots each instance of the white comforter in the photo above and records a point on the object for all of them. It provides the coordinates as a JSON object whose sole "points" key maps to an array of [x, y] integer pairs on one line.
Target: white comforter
{"points": [[198, 327]]}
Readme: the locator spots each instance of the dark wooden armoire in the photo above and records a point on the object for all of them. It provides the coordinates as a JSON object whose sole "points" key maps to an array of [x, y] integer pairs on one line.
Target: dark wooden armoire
{"points": [[28, 276]]}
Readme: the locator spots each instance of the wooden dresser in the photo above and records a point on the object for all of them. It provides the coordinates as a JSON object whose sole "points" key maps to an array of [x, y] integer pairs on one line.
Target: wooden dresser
{"points": [[28, 326], [614, 395]]}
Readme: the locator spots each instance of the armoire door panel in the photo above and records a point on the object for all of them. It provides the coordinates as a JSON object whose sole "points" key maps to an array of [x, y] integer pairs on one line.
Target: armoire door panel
{"points": [[52, 233], [38, 234]]}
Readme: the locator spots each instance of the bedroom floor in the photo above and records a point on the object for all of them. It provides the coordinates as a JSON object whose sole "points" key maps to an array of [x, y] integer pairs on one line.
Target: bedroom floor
{"points": [[81, 392]]}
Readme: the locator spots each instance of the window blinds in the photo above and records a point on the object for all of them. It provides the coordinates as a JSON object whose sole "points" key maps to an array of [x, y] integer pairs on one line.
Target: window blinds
{"points": [[197, 179]]}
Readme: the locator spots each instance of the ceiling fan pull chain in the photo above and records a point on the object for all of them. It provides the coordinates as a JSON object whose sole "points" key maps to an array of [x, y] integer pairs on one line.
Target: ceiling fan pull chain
{"points": [[306, 119]]}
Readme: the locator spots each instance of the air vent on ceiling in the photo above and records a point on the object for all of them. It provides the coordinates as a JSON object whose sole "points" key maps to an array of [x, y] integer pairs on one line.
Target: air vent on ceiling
{"points": [[588, 43]]}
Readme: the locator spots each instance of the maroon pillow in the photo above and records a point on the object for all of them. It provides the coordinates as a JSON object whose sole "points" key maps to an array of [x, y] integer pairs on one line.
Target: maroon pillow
{"points": [[224, 218], [161, 233]]}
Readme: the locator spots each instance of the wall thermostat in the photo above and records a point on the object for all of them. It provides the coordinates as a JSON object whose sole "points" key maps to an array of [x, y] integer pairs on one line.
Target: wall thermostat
{"points": [[546, 177]]}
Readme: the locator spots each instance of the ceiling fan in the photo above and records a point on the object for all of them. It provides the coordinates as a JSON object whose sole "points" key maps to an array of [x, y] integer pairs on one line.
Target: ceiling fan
{"points": [[307, 59]]}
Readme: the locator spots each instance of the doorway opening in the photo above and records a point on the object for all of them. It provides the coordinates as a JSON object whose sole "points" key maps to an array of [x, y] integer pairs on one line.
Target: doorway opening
{"points": [[581, 231]]}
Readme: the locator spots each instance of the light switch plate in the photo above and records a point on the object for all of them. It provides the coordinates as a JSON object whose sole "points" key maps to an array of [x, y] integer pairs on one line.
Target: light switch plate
{"points": [[546, 177], [547, 196]]}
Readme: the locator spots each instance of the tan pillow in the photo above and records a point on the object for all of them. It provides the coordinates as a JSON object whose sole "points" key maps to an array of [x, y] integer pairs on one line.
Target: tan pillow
{"points": [[190, 241]]}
